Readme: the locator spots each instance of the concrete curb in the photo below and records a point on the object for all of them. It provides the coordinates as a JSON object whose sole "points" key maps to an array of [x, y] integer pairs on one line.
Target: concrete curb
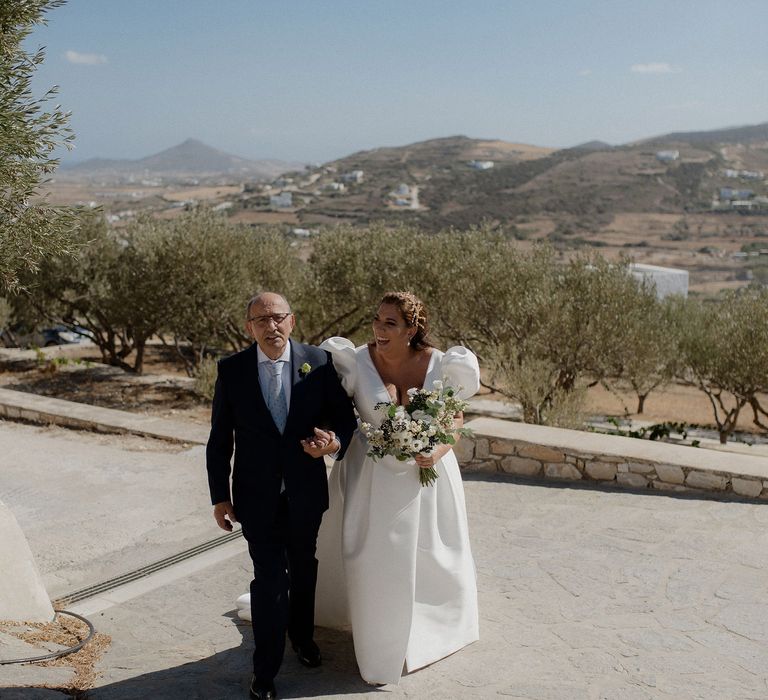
{"points": [[20, 405]]}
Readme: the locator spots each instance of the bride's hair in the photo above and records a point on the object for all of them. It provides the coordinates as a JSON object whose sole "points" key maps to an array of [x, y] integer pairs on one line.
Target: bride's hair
{"points": [[414, 314]]}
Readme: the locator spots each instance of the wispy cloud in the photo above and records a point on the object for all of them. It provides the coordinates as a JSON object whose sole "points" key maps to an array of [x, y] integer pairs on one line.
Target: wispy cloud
{"points": [[585, 72], [655, 68], [89, 59]]}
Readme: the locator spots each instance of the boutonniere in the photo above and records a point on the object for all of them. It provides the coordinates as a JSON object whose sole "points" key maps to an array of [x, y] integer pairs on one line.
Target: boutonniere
{"points": [[305, 369]]}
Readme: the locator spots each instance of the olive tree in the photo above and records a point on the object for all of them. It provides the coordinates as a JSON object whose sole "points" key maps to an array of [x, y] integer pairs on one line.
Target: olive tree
{"points": [[103, 289], [30, 132], [498, 301], [545, 331], [349, 269], [724, 347], [210, 269]]}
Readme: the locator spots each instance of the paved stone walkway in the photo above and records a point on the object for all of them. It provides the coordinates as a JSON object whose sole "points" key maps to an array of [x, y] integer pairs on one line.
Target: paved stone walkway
{"points": [[584, 594], [587, 594]]}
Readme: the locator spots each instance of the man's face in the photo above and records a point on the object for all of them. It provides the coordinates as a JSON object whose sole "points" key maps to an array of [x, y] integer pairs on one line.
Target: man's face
{"points": [[270, 323]]}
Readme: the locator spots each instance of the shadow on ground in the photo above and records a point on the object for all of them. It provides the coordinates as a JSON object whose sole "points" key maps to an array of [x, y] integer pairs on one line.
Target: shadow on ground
{"points": [[227, 674]]}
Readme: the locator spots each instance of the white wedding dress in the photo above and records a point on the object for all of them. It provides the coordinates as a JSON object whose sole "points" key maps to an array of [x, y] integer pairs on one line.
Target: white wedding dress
{"points": [[395, 564]]}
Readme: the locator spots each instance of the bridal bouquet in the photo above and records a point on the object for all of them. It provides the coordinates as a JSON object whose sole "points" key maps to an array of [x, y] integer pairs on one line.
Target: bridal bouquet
{"points": [[427, 421]]}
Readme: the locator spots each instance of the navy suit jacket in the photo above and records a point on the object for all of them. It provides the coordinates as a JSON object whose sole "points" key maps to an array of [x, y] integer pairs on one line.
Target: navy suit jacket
{"points": [[241, 422]]}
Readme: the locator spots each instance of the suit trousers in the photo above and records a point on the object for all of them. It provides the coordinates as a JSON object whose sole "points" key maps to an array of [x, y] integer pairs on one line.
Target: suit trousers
{"points": [[283, 586]]}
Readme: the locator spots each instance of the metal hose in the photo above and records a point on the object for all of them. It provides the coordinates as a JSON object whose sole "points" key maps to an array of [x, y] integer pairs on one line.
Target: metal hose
{"points": [[61, 652]]}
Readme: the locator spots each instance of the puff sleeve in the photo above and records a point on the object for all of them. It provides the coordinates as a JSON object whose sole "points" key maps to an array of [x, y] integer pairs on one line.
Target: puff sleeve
{"points": [[344, 360], [461, 371]]}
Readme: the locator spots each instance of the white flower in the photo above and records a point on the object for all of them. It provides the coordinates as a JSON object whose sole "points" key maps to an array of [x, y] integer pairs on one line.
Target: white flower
{"points": [[437, 385], [412, 392]]}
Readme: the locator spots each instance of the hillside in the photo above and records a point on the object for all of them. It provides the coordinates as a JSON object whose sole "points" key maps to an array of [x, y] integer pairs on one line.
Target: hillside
{"points": [[681, 200], [458, 181]]}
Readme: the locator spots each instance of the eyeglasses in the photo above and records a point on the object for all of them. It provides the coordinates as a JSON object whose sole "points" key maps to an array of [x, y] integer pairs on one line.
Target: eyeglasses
{"points": [[264, 320]]}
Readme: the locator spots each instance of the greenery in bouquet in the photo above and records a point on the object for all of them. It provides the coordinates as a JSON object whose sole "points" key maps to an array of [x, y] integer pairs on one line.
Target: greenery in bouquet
{"points": [[426, 422]]}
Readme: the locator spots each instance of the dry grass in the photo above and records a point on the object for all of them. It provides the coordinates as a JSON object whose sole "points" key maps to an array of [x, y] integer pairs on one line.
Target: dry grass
{"points": [[183, 193], [67, 632], [674, 403]]}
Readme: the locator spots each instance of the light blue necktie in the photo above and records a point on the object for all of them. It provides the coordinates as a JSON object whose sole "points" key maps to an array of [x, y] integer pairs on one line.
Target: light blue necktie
{"points": [[276, 396]]}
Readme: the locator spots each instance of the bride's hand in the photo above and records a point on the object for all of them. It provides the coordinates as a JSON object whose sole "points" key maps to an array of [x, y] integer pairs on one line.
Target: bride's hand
{"points": [[323, 442], [430, 460]]}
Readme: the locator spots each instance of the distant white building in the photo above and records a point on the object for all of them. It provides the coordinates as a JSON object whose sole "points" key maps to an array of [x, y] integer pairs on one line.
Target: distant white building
{"points": [[355, 176], [481, 164], [667, 156], [223, 206], [668, 280], [403, 190], [336, 187], [729, 193], [283, 200]]}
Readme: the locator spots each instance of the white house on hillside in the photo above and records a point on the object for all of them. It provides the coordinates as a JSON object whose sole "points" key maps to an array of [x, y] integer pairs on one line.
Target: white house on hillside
{"points": [[667, 156], [281, 201], [668, 280], [355, 176], [481, 164]]}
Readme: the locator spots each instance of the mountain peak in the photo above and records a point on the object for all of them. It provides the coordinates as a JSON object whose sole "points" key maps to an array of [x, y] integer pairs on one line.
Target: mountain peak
{"points": [[191, 157]]}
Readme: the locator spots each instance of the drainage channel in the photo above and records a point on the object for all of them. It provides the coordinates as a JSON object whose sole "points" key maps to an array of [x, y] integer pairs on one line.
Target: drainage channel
{"points": [[110, 584]]}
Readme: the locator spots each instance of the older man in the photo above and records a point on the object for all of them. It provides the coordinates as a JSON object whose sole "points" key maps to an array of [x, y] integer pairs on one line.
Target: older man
{"points": [[280, 407]]}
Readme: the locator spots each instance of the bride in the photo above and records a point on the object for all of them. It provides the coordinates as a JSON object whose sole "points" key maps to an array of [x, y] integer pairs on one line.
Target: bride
{"points": [[395, 563]]}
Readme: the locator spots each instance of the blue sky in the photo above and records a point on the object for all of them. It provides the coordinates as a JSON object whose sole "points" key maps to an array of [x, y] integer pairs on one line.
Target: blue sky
{"points": [[314, 80]]}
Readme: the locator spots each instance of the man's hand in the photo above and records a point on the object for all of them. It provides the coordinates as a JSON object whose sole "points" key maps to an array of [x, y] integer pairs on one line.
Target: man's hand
{"points": [[324, 442], [224, 514]]}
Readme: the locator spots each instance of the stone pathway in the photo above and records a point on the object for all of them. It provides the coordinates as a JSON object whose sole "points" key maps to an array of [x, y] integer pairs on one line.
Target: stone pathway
{"points": [[584, 594]]}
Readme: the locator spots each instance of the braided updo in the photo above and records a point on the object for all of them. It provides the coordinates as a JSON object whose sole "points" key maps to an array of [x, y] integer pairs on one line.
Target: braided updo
{"points": [[414, 314]]}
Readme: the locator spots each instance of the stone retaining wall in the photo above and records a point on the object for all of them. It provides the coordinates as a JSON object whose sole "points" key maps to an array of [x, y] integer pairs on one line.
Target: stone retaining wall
{"points": [[551, 453]]}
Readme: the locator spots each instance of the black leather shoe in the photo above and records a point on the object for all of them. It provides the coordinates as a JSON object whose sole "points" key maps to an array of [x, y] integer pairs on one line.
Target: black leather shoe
{"points": [[308, 654], [262, 692]]}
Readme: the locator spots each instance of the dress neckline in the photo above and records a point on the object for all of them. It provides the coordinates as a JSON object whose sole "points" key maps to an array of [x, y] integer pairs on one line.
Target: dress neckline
{"points": [[367, 350]]}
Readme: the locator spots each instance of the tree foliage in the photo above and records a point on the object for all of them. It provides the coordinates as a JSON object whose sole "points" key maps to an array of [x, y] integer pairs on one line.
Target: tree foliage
{"points": [[724, 347], [30, 132], [545, 330]]}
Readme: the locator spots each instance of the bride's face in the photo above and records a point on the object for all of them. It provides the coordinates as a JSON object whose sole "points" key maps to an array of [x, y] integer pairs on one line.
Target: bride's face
{"points": [[390, 330]]}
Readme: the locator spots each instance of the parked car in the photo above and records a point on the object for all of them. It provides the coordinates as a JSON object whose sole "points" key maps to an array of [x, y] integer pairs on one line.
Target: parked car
{"points": [[59, 335], [20, 336]]}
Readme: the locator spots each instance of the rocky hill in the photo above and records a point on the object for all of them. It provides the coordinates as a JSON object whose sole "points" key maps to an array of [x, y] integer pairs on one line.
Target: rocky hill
{"points": [[458, 181]]}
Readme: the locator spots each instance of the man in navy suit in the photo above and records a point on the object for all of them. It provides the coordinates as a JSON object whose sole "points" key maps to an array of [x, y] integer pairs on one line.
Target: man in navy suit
{"points": [[279, 405]]}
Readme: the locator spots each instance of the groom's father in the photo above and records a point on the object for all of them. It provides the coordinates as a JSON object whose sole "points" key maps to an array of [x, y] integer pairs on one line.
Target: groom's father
{"points": [[280, 407]]}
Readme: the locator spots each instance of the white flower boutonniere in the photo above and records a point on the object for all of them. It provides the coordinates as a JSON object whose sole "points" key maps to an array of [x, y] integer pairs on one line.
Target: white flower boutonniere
{"points": [[305, 369]]}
